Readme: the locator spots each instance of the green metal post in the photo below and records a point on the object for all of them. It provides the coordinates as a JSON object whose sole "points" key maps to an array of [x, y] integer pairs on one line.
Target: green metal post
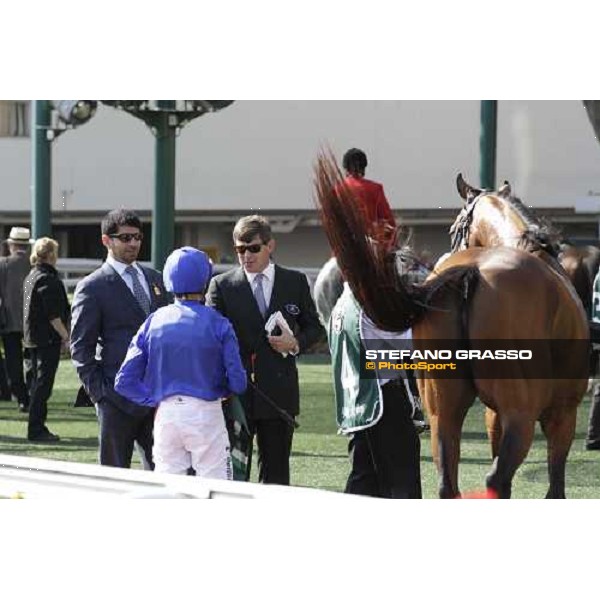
{"points": [[487, 143], [41, 160], [163, 216]]}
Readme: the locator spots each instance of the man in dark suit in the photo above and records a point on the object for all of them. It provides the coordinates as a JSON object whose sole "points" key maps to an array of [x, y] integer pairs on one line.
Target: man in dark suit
{"points": [[248, 296], [108, 308]]}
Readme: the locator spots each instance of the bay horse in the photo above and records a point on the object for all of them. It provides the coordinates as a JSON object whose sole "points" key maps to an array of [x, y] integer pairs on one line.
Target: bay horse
{"points": [[475, 294], [497, 218]]}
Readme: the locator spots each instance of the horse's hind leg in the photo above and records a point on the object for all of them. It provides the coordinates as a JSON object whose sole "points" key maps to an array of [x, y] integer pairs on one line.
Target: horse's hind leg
{"points": [[445, 437], [517, 435], [494, 430], [447, 403], [558, 426]]}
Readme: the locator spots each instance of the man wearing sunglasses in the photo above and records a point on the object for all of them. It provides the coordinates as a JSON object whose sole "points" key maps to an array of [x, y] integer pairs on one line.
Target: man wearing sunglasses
{"points": [[248, 296], [108, 308]]}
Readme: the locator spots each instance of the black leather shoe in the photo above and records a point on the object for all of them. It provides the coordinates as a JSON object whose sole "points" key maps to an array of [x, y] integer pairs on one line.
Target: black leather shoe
{"points": [[592, 446], [44, 437], [24, 408]]}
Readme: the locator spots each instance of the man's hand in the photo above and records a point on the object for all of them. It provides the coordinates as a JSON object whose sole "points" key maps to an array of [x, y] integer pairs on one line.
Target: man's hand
{"points": [[65, 346], [285, 342]]}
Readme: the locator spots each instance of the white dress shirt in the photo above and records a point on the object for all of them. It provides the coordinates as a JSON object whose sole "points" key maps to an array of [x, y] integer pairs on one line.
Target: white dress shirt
{"points": [[120, 267]]}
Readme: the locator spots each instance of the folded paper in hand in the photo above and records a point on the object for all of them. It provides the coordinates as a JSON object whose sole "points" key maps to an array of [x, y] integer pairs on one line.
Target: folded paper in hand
{"points": [[277, 320]]}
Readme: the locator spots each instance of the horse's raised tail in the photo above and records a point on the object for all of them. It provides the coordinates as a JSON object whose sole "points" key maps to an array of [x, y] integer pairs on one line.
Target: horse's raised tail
{"points": [[365, 258]]}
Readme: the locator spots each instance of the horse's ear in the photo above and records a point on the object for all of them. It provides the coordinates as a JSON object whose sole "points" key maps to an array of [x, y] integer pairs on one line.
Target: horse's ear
{"points": [[467, 192], [505, 190]]}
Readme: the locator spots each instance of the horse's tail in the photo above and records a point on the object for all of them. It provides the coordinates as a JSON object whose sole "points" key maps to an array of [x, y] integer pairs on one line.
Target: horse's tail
{"points": [[366, 261]]}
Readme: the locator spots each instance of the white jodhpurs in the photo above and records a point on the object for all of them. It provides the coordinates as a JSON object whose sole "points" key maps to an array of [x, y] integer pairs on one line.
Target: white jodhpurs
{"points": [[191, 432]]}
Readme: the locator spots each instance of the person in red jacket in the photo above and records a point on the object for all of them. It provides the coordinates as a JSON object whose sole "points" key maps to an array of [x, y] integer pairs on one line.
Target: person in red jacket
{"points": [[383, 227], [370, 193]]}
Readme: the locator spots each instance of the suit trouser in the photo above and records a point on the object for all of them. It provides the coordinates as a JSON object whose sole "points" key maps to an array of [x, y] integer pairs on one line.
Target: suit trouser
{"points": [[119, 432], [592, 440], [274, 442], [13, 350], [385, 458], [44, 361]]}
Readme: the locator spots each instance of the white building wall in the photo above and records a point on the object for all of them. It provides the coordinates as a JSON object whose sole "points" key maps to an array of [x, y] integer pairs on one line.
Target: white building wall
{"points": [[259, 154]]}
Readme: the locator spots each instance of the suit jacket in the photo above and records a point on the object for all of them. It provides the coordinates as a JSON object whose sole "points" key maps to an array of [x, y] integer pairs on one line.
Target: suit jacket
{"points": [[106, 314], [275, 376], [13, 271]]}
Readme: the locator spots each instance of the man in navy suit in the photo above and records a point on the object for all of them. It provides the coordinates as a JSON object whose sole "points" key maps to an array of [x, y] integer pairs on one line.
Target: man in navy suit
{"points": [[248, 296], [108, 308]]}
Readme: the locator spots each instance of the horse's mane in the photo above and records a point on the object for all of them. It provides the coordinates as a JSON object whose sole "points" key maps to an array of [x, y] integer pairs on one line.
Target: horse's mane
{"points": [[540, 234], [365, 259]]}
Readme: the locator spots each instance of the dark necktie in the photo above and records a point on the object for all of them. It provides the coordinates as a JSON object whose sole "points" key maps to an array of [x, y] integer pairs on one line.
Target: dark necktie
{"points": [[138, 290], [259, 294]]}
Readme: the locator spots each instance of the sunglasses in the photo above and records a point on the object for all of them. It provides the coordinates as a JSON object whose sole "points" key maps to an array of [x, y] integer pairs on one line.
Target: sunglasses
{"points": [[252, 248], [127, 237]]}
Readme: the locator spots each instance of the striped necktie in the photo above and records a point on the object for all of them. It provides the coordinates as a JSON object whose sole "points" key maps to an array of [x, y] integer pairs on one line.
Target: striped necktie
{"points": [[138, 290]]}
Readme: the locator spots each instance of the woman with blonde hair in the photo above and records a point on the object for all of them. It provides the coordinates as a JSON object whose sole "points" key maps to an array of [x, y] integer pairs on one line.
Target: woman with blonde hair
{"points": [[46, 316]]}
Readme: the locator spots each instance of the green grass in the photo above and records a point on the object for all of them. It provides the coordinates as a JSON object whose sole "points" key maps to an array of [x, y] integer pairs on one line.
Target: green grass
{"points": [[319, 455]]}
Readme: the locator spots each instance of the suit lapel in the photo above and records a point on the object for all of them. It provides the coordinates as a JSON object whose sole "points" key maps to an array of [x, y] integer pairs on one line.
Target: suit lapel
{"points": [[155, 291], [275, 292], [121, 290], [246, 297]]}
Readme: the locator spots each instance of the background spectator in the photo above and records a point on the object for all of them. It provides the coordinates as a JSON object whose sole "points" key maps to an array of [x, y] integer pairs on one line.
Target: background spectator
{"points": [[46, 332]]}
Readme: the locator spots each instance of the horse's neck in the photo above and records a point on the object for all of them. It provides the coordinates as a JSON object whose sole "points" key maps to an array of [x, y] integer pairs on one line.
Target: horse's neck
{"points": [[496, 225]]}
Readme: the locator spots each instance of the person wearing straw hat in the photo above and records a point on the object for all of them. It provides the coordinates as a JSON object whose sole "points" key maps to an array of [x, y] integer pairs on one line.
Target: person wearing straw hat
{"points": [[13, 271]]}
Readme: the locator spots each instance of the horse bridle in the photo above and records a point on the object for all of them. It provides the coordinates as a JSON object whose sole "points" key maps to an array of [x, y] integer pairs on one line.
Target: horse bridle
{"points": [[461, 229], [459, 232]]}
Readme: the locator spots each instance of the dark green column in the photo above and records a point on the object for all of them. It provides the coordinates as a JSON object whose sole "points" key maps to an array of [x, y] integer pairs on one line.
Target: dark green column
{"points": [[41, 161], [487, 143], [163, 216]]}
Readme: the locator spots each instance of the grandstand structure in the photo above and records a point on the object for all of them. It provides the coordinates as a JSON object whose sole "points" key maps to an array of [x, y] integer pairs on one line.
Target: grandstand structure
{"points": [[258, 156]]}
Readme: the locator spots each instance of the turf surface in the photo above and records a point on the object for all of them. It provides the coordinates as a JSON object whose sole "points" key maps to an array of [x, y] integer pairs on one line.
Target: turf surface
{"points": [[319, 455]]}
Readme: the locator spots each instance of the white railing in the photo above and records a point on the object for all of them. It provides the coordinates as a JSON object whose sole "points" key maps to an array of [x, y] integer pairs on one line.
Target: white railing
{"points": [[39, 478], [74, 269]]}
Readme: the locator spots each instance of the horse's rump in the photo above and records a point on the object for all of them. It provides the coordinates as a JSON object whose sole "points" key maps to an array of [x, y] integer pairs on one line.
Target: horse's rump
{"points": [[519, 296]]}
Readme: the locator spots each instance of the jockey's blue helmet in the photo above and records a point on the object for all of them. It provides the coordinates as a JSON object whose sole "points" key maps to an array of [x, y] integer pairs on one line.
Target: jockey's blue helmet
{"points": [[187, 271]]}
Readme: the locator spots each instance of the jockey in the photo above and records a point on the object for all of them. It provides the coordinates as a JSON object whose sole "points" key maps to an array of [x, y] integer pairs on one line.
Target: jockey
{"points": [[185, 359]]}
